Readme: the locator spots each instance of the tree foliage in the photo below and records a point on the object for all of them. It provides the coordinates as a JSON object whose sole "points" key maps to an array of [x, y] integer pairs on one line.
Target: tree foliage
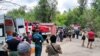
{"points": [[60, 19], [82, 4], [16, 13], [45, 11], [20, 13]]}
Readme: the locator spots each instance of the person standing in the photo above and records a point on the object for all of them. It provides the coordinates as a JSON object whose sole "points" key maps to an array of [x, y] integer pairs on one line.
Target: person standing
{"points": [[11, 46], [77, 31], [70, 34], [73, 33], [61, 35], [83, 37], [53, 49], [91, 37], [38, 39]]}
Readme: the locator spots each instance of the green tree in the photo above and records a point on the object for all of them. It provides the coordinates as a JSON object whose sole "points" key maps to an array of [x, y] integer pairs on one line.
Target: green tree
{"points": [[96, 14], [72, 16], [17, 13], [76, 15], [60, 19], [82, 4], [45, 11]]}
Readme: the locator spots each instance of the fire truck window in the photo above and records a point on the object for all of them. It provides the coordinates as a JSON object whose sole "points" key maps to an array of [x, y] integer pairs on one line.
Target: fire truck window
{"points": [[21, 26]]}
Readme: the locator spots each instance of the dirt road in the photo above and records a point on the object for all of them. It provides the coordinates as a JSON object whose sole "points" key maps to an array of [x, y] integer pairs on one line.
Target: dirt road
{"points": [[74, 48]]}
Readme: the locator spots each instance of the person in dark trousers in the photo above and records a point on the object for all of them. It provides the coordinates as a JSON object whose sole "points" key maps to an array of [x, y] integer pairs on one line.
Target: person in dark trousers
{"points": [[73, 33], [38, 39], [61, 35], [11, 46], [76, 30], [77, 33], [65, 32]]}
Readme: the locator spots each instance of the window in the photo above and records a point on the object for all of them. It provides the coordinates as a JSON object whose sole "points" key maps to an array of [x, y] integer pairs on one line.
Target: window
{"points": [[1, 30], [21, 26]]}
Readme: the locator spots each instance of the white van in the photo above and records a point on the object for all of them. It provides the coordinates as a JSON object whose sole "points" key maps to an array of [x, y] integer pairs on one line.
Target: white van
{"points": [[20, 26]]}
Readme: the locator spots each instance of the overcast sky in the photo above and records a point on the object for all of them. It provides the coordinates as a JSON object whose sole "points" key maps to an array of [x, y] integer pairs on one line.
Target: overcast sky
{"points": [[62, 5]]}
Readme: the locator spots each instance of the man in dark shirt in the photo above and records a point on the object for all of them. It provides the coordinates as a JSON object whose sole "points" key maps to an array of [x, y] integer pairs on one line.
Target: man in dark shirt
{"points": [[11, 46]]}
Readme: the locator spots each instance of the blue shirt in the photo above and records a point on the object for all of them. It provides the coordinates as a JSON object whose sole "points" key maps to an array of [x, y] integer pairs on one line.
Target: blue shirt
{"points": [[9, 37]]}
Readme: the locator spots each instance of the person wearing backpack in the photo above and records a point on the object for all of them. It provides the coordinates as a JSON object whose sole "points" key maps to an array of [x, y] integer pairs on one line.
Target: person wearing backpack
{"points": [[53, 49], [38, 40]]}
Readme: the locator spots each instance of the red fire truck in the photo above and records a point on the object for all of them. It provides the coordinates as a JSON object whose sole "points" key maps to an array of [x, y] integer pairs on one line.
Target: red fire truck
{"points": [[45, 28]]}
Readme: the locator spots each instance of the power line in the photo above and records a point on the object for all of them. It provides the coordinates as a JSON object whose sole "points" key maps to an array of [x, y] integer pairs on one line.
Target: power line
{"points": [[24, 7], [10, 2]]}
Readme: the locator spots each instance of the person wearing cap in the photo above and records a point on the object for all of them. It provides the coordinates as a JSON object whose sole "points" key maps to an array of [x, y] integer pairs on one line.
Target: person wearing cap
{"points": [[24, 49]]}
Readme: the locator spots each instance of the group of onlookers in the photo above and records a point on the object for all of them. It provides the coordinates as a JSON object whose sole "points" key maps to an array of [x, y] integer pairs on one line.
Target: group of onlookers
{"points": [[76, 31], [16, 45]]}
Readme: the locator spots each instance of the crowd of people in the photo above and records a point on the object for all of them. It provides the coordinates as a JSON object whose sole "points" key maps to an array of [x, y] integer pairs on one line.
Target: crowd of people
{"points": [[77, 32], [16, 45]]}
